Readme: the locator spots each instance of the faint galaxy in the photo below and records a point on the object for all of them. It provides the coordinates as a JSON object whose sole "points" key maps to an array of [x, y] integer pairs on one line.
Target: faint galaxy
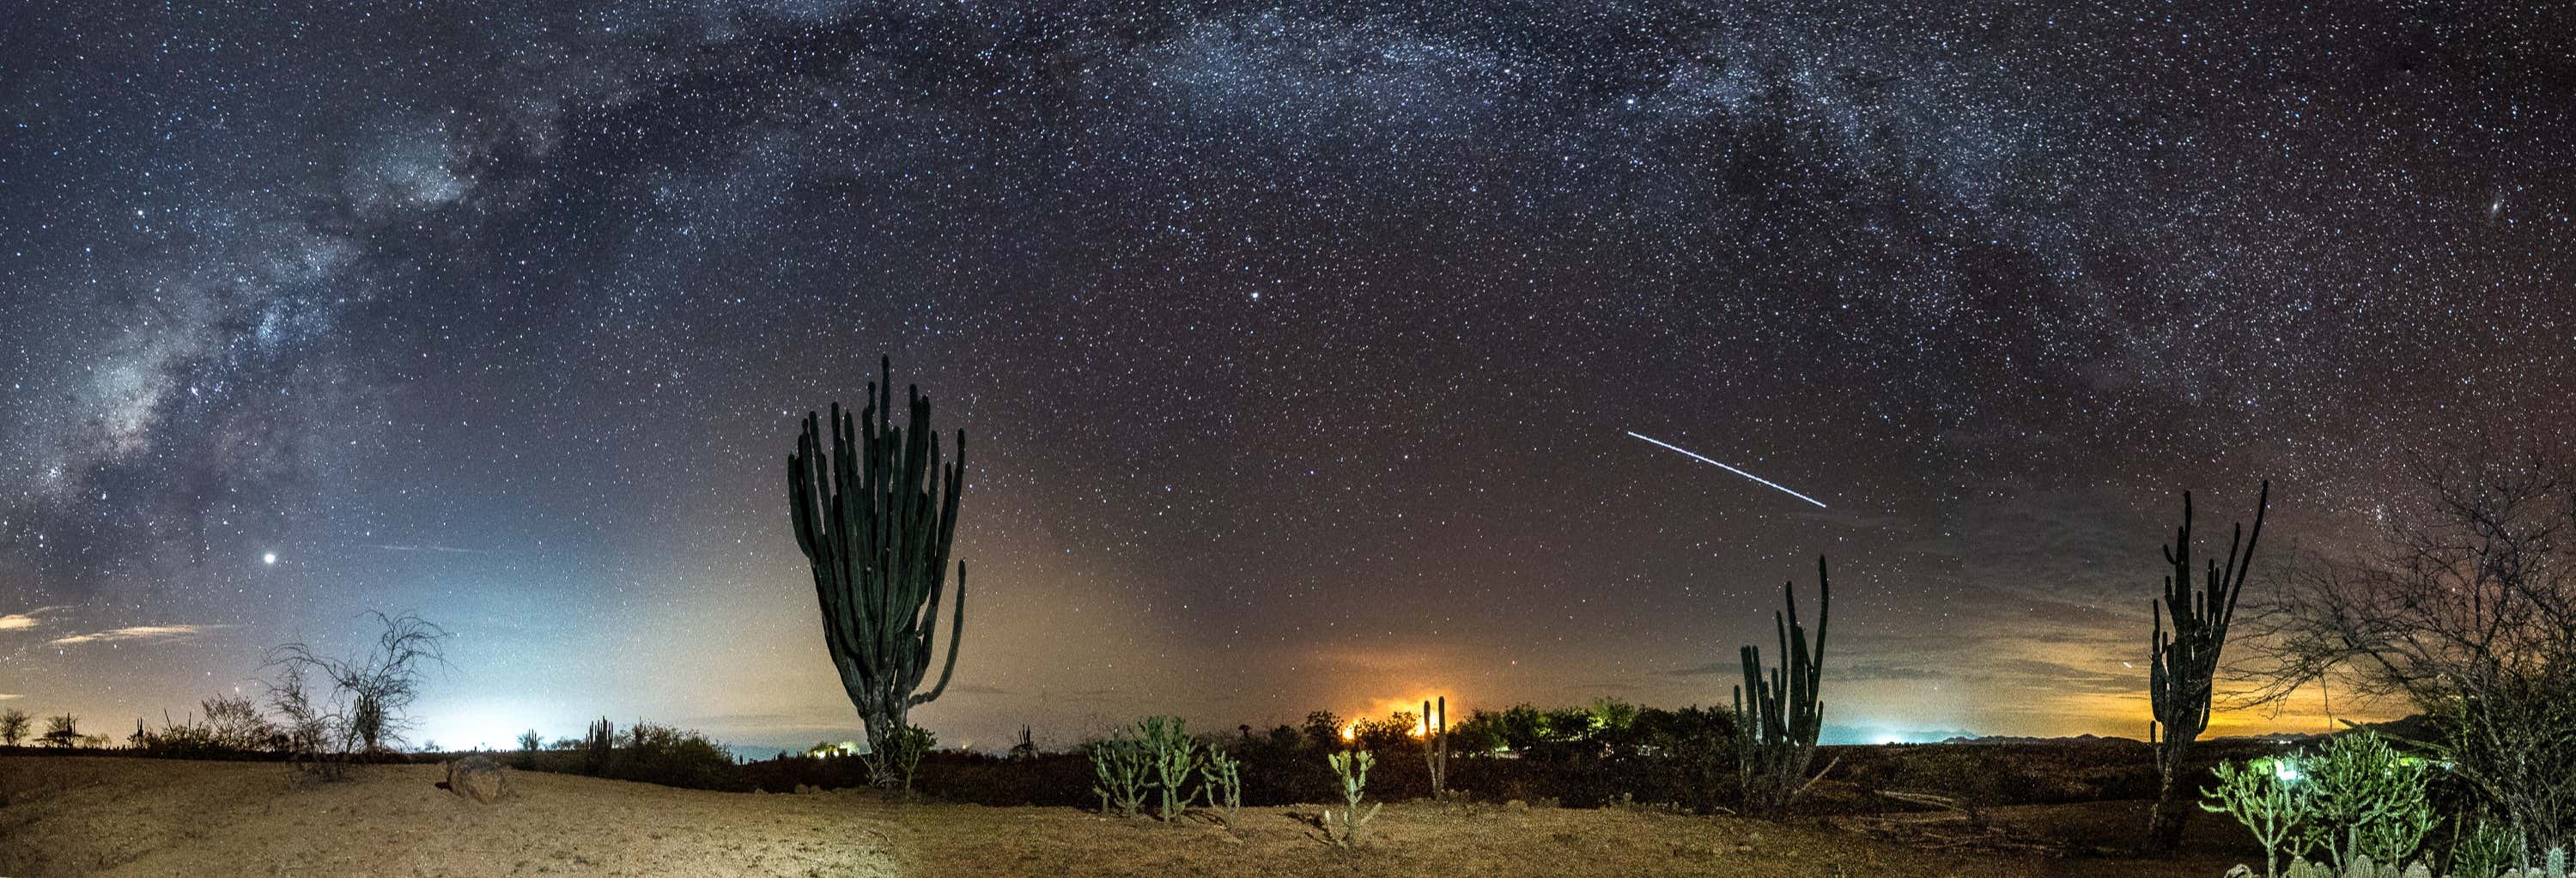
{"points": [[1297, 344]]}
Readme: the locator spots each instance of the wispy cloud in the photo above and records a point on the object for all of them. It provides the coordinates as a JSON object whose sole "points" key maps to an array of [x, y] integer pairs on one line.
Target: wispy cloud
{"points": [[452, 550], [155, 633], [24, 621]]}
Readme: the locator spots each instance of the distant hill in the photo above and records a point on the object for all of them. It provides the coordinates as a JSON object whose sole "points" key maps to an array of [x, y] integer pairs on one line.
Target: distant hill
{"points": [[2418, 727], [1852, 735], [2014, 739]]}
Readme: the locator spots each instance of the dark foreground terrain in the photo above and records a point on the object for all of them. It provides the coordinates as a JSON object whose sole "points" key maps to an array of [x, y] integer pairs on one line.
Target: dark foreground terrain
{"points": [[119, 816]]}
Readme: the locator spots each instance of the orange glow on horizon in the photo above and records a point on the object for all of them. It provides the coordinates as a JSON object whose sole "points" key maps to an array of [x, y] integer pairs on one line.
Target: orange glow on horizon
{"points": [[1389, 707]]}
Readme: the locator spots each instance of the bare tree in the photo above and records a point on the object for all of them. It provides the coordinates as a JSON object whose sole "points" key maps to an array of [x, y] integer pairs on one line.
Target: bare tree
{"points": [[2466, 610], [343, 710], [234, 723], [13, 726]]}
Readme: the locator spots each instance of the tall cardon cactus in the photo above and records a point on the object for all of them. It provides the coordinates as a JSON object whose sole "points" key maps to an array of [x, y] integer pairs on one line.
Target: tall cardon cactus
{"points": [[1777, 720], [2182, 667], [876, 519]]}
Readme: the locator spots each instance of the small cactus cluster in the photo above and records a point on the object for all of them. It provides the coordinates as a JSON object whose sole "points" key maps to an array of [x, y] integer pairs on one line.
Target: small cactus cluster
{"points": [[1221, 781], [1157, 754], [2553, 865], [2363, 808], [1175, 758], [1353, 768], [1119, 762], [2360, 867]]}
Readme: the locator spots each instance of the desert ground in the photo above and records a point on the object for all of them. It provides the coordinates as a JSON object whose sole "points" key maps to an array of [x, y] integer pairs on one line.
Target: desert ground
{"points": [[114, 816]]}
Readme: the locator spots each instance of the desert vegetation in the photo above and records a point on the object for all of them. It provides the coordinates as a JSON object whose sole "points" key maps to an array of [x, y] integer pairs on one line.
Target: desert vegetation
{"points": [[876, 521], [2359, 807], [336, 711], [2183, 665], [1777, 721], [2466, 614], [2466, 609]]}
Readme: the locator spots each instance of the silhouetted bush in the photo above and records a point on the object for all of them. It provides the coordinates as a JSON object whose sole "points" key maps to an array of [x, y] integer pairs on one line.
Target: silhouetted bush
{"points": [[232, 727], [673, 757], [646, 753]]}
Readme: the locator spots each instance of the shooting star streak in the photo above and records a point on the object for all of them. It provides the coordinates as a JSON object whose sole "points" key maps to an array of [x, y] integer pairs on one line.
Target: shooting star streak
{"points": [[1704, 459]]}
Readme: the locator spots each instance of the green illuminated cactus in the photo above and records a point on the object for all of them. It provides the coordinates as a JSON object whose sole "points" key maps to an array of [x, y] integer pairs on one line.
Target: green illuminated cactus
{"points": [[1174, 757], [1119, 762], [1221, 780], [1353, 768]]}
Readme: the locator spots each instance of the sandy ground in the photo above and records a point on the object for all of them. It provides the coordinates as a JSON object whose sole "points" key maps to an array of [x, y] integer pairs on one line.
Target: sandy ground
{"points": [[134, 817], [85, 816]]}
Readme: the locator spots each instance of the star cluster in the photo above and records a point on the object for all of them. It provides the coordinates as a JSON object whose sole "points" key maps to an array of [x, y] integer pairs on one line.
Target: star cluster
{"points": [[1296, 344]]}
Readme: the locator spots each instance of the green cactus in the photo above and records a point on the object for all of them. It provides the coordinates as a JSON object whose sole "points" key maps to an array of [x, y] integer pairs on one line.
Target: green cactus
{"points": [[2258, 794], [2485, 851], [1353, 768], [1174, 758], [904, 759], [1119, 762], [2360, 867], [876, 521], [1221, 781], [2552, 865], [1777, 720], [2367, 799]]}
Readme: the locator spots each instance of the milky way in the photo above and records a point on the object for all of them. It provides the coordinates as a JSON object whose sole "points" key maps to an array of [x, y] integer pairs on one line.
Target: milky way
{"points": [[1296, 341]]}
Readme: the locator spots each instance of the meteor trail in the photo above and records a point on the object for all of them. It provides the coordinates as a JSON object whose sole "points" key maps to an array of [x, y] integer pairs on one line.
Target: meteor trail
{"points": [[1704, 459]]}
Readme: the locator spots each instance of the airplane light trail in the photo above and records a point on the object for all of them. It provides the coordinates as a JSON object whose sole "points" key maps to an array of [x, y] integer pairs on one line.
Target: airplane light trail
{"points": [[1704, 459]]}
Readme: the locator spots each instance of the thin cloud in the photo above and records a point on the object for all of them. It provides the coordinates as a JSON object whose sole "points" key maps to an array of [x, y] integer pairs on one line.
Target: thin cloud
{"points": [[151, 633], [452, 550], [24, 621]]}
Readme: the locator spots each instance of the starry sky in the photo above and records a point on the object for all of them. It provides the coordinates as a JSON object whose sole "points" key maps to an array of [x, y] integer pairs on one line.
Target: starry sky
{"points": [[1297, 344]]}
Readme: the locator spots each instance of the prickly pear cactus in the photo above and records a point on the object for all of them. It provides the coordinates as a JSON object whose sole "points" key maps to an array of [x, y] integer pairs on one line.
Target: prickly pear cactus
{"points": [[2360, 867]]}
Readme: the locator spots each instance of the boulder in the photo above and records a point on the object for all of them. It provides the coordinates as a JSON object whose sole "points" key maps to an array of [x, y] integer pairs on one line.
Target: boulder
{"points": [[478, 778]]}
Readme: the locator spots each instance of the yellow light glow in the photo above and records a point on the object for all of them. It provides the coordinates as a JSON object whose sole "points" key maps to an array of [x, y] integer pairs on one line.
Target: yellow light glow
{"points": [[1391, 706]]}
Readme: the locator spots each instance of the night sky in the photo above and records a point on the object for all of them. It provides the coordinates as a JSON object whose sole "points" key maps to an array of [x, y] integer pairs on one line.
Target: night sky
{"points": [[1296, 345]]}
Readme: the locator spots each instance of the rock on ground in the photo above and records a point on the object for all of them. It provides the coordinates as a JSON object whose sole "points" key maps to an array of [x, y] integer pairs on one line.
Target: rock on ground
{"points": [[477, 778]]}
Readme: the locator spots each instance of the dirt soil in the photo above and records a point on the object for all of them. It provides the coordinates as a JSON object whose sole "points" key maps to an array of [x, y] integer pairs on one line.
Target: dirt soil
{"points": [[65, 816]]}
